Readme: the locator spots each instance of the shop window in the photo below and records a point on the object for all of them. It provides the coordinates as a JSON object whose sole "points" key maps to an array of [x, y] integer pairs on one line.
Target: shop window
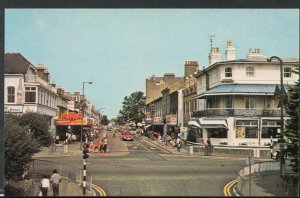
{"points": [[30, 94], [270, 128], [193, 134], [10, 94], [217, 133], [246, 129]]}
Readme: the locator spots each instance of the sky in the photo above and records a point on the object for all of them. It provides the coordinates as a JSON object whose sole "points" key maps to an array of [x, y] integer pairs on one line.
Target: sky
{"points": [[117, 49]]}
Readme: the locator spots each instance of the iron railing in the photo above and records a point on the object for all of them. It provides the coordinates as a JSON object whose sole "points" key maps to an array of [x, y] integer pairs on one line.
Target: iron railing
{"points": [[36, 168], [288, 183], [236, 112]]}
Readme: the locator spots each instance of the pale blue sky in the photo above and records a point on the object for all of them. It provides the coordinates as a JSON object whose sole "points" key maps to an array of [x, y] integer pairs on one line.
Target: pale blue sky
{"points": [[118, 49]]}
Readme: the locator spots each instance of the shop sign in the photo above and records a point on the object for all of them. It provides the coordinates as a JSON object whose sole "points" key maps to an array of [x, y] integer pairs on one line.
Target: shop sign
{"points": [[171, 119], [71, 105], [13, 109]]}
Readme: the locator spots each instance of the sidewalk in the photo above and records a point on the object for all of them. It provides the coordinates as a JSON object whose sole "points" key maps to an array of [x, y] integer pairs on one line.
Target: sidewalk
{"points": [[66, 188]]}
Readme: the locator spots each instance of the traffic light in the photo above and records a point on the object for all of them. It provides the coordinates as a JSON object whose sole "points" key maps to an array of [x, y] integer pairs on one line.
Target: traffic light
{"points": [[85, 152]]}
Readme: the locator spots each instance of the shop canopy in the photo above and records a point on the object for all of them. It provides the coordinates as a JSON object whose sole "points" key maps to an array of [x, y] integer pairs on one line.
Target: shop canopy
{"points": [[213, 124], [238, 89]]}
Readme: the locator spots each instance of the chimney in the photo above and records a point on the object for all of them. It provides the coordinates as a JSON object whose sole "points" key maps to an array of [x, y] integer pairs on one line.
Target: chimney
{"points": [[40, 70], [255, 54], [214, 56], [230, 51], [46, 75], [190, 67], [53, 84]]}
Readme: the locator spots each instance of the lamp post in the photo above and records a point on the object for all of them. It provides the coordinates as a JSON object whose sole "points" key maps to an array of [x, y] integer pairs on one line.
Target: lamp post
{"points": [[100, 115], [281, 140], [82, 112]]}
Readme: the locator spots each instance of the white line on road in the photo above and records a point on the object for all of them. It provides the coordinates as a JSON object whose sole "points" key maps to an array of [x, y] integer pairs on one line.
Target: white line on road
{"points": [[142, 145]]}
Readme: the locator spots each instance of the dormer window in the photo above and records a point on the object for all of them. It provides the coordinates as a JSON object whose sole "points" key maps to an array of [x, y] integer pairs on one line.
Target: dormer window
{"points": [[250, 71], [287, 72], [228, 72]]}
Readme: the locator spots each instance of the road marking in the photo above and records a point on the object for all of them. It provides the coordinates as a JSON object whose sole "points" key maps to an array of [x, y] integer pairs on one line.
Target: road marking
{"points": [[141, 145], [160, 148], [99, 190], [227, 187]]}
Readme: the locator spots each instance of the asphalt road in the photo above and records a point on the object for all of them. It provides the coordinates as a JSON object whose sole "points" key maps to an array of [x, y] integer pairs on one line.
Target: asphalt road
{"points": [[150, 171]]}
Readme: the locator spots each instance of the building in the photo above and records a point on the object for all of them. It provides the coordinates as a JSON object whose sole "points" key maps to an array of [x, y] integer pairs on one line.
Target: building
{"points": [[237, 99], [27, 88]]}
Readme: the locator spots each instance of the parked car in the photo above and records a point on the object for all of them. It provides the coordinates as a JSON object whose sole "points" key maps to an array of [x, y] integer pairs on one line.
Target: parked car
{"points": [[127, 137]]}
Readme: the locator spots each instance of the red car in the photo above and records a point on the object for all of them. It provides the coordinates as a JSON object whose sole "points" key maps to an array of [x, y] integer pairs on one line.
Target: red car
{"points": [[125, 132], [127, 137]]}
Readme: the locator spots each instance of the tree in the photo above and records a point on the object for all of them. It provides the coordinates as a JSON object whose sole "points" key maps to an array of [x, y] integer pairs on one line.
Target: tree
{"points": [[133, 108], [104, 120], [20, 145], [38, 125], [292, 127]]}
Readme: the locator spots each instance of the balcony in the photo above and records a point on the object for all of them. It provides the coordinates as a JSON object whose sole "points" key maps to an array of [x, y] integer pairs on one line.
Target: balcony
{"points": [[211, 112]]}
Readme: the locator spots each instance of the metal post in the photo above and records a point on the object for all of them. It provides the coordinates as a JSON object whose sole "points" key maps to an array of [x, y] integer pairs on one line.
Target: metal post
{"points": [[249, 177], [282, 161], [82, 117], [84, 177]]}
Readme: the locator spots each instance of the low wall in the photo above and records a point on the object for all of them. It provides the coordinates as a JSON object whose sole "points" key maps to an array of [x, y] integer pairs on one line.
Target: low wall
{"points": [[238, 151]]}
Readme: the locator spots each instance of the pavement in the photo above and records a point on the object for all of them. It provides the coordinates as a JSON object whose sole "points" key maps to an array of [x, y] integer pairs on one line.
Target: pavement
{"points": [[262, 184]]}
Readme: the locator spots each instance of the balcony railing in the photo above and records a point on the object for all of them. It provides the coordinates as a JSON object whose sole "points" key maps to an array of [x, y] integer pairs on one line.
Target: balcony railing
{"points": [[237, 112]]}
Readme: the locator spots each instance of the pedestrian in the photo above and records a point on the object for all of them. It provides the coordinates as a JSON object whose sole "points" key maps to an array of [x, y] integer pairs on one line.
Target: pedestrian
{"points": [[55, 180], [44, 186], [105, 145], [210, 146], [96, 147], [178, 143]]}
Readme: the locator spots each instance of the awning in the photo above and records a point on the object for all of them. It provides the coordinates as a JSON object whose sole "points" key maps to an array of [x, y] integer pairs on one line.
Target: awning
{"points": [[194, 123], [213, 124], [238, 89]]}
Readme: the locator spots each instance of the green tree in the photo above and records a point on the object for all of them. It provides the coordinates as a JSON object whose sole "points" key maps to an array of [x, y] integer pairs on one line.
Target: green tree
{"points": [[292, 127], [133, 108], [20, 145], [38, 125], [104, 120]]}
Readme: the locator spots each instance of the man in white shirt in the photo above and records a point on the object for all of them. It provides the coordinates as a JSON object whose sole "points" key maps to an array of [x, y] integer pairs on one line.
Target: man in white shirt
{"points": [[45, 184]]}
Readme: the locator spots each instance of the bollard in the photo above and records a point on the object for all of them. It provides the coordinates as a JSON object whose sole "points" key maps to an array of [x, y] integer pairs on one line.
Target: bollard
{"points": [[191, 150]]}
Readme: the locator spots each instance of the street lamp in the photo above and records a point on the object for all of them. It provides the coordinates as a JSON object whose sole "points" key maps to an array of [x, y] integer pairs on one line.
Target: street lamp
{"points": [[100, 115], [82, 113], [282, 161]]}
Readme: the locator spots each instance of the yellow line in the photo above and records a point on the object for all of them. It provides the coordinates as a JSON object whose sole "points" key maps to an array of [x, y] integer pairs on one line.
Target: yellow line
{"points": [[99, 190], [227, 187]]}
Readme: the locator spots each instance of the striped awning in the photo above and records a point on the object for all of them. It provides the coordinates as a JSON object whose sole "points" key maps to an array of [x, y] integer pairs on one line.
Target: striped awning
{"points": [[239, 89]]}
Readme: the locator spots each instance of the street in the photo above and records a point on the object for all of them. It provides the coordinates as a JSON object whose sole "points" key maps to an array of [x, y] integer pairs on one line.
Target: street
{"points": [[149, 170]]}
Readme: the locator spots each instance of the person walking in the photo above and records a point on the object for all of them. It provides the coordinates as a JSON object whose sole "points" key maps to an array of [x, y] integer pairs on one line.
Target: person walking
{"points": [[55, 180], [45, 184], [178, 143]]}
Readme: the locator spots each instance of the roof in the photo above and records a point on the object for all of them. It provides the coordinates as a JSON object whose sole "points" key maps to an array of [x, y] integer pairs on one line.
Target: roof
{"points": [[240, 89], [15, 63]]}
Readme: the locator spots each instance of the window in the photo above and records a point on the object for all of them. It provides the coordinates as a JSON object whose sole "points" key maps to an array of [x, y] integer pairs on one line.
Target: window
{"points": [[270, 128], [250, 71], [228, 72], [194, 134], [217, 133], [246, 128], [10, 94], [30, 93], [228, 102], [250, 102], [287, 72]]}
